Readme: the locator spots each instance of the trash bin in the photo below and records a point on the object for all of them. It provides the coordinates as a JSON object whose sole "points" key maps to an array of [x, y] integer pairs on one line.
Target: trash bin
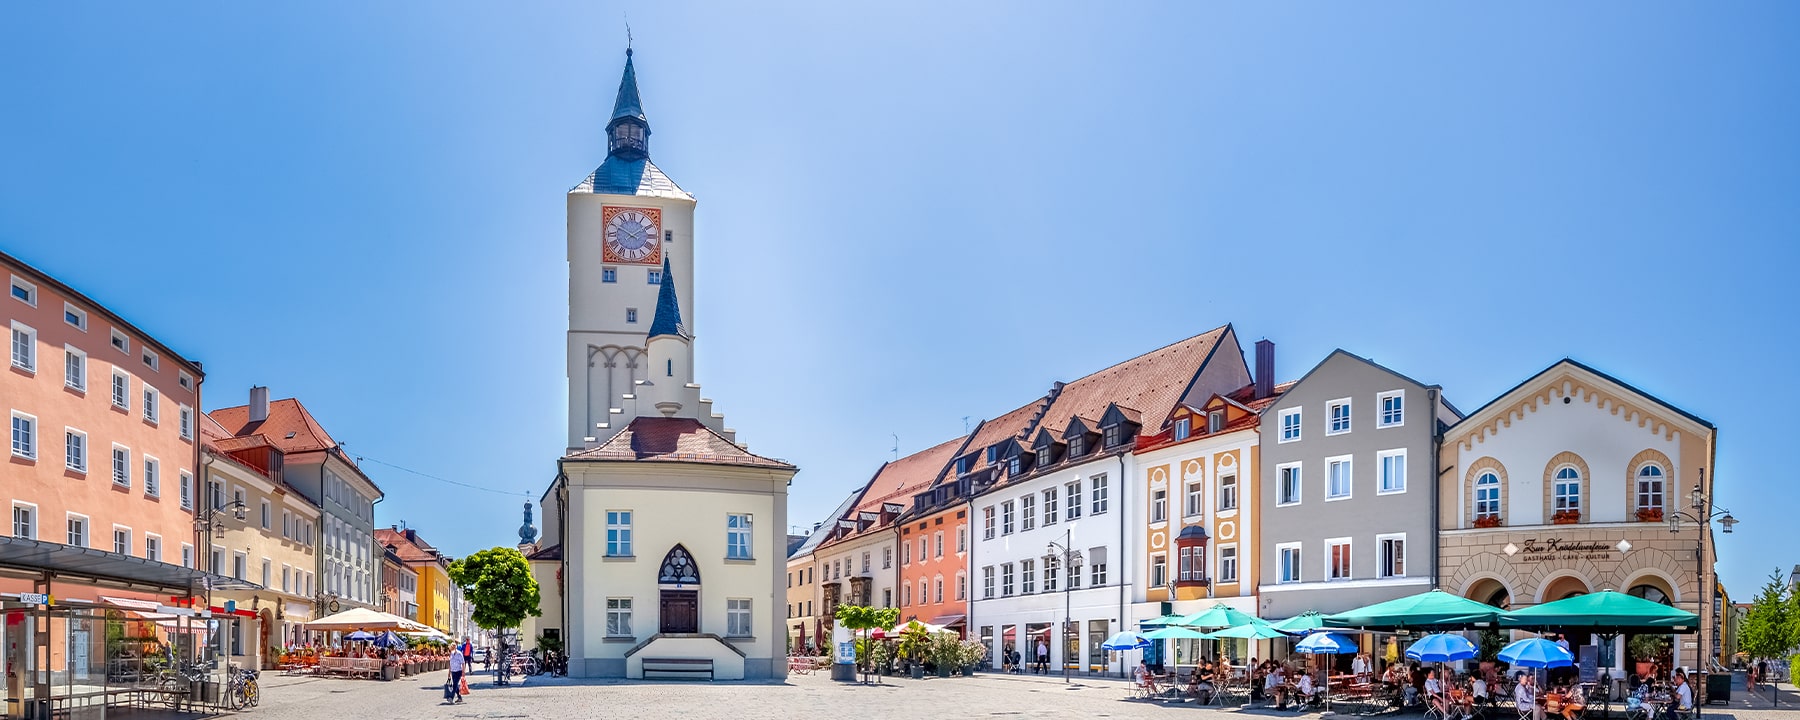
{"points": [[1718, 688]]}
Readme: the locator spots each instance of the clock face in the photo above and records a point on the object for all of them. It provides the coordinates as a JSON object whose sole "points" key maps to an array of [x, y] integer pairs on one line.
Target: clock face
{"points": [[632, 235]]}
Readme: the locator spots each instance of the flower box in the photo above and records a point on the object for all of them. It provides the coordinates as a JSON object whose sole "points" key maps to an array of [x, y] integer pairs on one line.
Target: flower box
{"points": [[1650, 515], [1488, 521], [1566, 517]]}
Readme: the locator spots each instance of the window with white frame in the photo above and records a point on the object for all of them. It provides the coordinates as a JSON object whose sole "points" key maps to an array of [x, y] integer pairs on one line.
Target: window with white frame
{"points": [[151, 360], [268, 516], [1006, 518], [1006, 579], [150, 404], [1196, 499], [1290, 425], [1097, 574], [1228, 562], [24, 435], [1650, 488], [187, 490], [24, 520], [1072, 499], [1192, 564], [122, 540], [1183, 428], [887, 557], [1337, 559], [152, 547], [618, 533], [75, 317], [1287, 484], [24, 347], [1215, 421], [24, 291], [1393, 409], [987, 523], [654, 277], [1098, 482], [187, 423], [1337, 477], [152, 477], [987, 582], [121, 390], [1159, 569], [631, 315], [287, 578], [1027, 511], [1050, 508], [186, 380], [1567, 494], [609, 275], [737, 537], [1393, 471], [75, 450], [187, 555], [1337, 417], [78, 530], [1487, 496], [1027, 576], [1050, 574], [121, 461], [1228, 492], [74, 368], [240, 565], [120, 342], [1393, 555], [1159, 507], [737, 617], [905, 554], [1288, 568], [937, 545], [962, 585], [618, 617]]}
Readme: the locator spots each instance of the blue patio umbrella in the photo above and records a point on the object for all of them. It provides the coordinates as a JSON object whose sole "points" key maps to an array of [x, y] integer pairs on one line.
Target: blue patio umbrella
{"points": [[389, 640], [1326, 643], [1536, 653], [1441, 648], [1126, 641], [360, 635]]}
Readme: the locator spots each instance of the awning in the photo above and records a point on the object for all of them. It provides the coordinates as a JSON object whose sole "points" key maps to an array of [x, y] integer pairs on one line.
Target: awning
{"points": [[78, 563], [948, 620]]}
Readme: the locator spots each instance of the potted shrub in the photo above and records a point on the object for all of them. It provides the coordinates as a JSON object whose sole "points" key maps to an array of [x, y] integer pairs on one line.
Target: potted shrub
{"points": [[946, 653], [881, 657], [1566, 517], [914, 642], [1650, 514], [973, 653], [1487, 521]]}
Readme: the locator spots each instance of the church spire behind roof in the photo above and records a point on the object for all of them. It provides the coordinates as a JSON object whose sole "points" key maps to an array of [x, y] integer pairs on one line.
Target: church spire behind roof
{"points": [[628, 133]]}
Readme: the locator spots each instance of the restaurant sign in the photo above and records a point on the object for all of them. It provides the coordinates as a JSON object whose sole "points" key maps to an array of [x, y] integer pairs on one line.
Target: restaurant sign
{"points": [[1535, 550]]}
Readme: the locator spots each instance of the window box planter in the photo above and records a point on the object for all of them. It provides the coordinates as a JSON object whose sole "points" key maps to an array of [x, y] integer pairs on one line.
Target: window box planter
{"points": [[1490, 521], [1566, 517], [1650, 515]]}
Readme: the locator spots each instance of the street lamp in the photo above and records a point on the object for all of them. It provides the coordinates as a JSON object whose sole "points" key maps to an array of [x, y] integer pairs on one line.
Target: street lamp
{"points": [[1061, 556], [1704, 512]]}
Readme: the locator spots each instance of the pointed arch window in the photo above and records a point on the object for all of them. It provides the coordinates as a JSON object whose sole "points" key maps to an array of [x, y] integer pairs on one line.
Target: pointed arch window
{"points": [[678, 568]]}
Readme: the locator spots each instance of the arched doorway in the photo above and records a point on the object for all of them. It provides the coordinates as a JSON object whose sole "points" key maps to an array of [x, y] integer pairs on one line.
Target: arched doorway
{"points": [[1563, 588], [1647, 651], [1490, 591], [678, 579]]}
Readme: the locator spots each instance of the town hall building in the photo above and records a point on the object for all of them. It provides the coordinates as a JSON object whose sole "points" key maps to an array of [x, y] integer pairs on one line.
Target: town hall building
{"points": [[664, 542]]}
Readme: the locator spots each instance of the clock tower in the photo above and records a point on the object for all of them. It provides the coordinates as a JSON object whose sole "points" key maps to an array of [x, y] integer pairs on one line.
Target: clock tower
{"points": [[631, 231]]}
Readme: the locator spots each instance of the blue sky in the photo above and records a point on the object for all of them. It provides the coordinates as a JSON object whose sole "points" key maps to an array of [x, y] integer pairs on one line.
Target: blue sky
{"points": [[915, 214]]}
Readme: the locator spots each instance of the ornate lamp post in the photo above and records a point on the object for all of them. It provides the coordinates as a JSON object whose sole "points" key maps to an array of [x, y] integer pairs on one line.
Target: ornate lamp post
{"points": [[1061, 556], [1704, 513]]}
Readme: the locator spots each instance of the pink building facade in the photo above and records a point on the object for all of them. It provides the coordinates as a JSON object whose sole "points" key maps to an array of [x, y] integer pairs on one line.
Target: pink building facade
{"points": [[102, 423]]}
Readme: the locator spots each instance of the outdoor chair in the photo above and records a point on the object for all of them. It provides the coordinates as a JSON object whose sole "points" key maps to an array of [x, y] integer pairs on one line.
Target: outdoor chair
{"points": [[1526, 712], [1435, 705]]}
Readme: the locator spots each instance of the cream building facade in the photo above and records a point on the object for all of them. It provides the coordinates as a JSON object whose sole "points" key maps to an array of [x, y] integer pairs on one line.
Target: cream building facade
{"points": [[1563, 486]]}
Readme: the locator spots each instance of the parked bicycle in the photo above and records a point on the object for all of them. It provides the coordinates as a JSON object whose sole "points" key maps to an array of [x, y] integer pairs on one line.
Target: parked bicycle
{"points": [[241, 692], [179, 679]]}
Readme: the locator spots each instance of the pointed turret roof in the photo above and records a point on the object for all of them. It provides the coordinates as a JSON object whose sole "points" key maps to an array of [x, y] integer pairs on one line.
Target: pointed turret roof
{"points": [[627, 105], [668, 308]]}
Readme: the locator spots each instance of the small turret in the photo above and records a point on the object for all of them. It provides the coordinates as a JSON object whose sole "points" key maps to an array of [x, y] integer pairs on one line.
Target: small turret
{"points": [[527, 532]]}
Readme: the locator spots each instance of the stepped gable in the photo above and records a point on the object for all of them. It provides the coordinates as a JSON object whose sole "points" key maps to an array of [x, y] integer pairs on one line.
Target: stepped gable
{"points": [[660, 439]]}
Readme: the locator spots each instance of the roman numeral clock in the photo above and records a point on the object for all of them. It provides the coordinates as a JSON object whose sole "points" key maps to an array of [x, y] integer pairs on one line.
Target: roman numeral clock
{"points": [[632, 235]]}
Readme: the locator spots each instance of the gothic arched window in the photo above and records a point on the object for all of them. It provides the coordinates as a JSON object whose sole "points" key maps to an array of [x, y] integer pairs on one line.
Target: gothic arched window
{"points": [[678, 568]]}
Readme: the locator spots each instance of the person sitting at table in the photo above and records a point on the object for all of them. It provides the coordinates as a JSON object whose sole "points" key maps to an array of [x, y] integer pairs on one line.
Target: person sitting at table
{"points": [[1683, 695], [1204, 677], [1525, 695], [1478, 693], [1359, 665], [1309, 694], [1259, 674], [1573, 700], [1276, 685], [1435, 697], [1145, 679]]}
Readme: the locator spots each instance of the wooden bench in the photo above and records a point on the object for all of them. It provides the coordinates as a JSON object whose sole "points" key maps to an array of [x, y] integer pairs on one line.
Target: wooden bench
{"points": [[678, 668]]}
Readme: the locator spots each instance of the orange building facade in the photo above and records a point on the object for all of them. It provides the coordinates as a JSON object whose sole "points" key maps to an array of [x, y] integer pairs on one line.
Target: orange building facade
{"points": [[103, 426]]}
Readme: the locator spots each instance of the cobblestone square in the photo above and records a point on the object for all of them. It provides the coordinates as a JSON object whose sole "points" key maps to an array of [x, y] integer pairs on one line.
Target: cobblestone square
{"points": [[801, 696]]}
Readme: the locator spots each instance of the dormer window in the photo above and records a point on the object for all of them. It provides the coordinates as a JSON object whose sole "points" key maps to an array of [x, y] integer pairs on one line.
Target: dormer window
{"points": [[1183, 428], [1045, 456], [1077, 447], [1215, 421], [993, 454], [963, 463], [1112, 436]]}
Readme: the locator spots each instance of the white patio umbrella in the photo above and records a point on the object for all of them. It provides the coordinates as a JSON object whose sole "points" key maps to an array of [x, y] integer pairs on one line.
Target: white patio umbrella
{"points": [[365, 619]]}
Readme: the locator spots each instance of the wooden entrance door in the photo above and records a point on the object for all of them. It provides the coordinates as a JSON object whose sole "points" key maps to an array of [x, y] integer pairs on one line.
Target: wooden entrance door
{"points": [[680, 611]]}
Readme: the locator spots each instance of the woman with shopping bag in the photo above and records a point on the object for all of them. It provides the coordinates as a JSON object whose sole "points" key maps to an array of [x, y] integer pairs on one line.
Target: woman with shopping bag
{"points": [[457, 686]]}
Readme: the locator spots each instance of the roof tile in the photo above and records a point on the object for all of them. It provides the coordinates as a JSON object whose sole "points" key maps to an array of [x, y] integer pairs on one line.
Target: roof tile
{"points": [[657, 439]]}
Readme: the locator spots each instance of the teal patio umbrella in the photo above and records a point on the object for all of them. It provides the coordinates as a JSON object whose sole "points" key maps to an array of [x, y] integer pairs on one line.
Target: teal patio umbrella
{"points": [[1606, 612], [1175, 632], [1257, 630], [1304, 622], [1219, 616], [1426, 610]]}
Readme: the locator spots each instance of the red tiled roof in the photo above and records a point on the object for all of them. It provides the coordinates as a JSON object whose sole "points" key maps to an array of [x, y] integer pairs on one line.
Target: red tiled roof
{"points": [[1150, 383], [1242, 396], [410, 550], [554, 552], [656, 439], [290, 427], [1012, 424], [899, 480]]}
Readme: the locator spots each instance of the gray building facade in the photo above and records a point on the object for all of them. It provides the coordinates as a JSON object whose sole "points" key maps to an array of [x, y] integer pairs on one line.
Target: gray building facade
{"points": [[1348, 488]]}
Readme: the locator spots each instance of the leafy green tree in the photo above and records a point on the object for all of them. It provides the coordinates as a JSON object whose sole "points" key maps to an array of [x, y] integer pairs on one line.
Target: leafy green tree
{"points": [[865, 618], [498, 582], [1769, 629]]}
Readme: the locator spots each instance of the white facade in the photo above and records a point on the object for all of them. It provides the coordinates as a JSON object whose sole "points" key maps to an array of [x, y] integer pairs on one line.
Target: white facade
{"points": [[1227, 511], [1106, 588]]}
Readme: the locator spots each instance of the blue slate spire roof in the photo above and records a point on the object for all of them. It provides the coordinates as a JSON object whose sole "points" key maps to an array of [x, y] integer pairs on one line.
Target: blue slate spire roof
{"points": [[627, 105], [668, 308]]}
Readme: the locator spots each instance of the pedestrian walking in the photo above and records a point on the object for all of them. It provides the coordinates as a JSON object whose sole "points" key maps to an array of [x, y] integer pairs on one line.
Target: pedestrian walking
{"points": [[453, 689], [1043, 657]]}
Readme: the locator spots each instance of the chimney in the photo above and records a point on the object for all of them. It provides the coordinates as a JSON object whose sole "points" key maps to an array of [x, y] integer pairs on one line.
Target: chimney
{"points": [[1265, 368], [259, 403]]}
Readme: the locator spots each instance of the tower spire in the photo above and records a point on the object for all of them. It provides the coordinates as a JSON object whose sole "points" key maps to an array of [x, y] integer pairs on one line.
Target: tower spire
{"points": [[628, 133], [668, 308]]}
